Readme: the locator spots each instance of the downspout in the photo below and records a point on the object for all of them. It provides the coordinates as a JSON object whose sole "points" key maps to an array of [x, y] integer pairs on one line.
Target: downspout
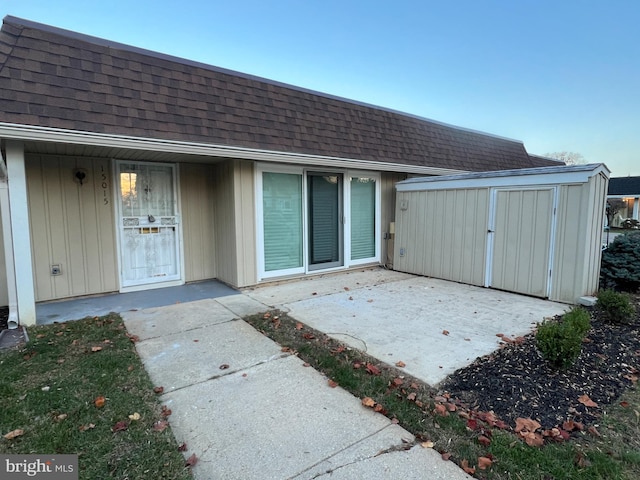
{"points": [[12, 294]]}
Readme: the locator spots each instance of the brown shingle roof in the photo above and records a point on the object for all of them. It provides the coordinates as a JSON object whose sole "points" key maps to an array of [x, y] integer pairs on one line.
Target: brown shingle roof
{"points": [[55, 78]]}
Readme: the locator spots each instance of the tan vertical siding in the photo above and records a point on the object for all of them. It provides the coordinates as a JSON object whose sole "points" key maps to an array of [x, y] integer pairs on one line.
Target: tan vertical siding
{"points": [[197, 210], [443, 233], [224, 213], [245, 205], [388, 213], [72, 225]]}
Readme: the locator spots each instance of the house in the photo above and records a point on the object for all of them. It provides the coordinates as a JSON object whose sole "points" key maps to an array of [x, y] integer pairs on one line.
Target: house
{"points": [[626, 189], [125, 169]]}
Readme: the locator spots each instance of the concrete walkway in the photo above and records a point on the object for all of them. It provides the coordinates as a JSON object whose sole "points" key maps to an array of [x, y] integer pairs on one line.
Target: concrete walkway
{"points": [[250, 411]]}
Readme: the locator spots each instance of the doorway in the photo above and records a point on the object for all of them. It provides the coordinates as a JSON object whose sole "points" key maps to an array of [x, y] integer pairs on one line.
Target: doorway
{"points": [[326, 220]]}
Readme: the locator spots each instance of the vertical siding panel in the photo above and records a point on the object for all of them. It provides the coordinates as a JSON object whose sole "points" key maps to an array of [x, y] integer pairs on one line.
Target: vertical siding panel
{"points": [[244, 192], [72, 226], [4, 292], [197, 207], [224, 212]]}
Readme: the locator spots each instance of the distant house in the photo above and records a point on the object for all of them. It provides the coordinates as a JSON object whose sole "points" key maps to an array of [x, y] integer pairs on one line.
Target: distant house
{"points": [[125, 169], [626, 189]]}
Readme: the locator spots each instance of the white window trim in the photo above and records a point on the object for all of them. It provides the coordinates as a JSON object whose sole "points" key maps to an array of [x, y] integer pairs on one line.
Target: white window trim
{"points": [[378, 218]]}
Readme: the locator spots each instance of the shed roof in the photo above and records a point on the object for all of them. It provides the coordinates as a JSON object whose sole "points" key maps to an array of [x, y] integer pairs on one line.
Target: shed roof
{"points": [[624, 186], [58, 79]]}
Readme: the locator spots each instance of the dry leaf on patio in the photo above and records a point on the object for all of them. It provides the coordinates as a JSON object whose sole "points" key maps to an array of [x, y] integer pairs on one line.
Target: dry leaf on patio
{"points": [[165, 412], [224, 366], [158, 390], [446, 456], [586, 401], [427, 444], [400, 364], [332, 384], [182, 447], [445, 332], [191, 461], [13, 434], [299, 326]]}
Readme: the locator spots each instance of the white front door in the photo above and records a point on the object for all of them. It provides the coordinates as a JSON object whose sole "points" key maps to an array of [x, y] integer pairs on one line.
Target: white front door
{"points": [[148, 224]]}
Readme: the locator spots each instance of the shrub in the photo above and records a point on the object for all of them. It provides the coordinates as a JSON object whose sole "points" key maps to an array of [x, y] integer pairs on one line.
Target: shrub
{"points": [[617, 307], [620, 267], [579, 319], [560, 342]]}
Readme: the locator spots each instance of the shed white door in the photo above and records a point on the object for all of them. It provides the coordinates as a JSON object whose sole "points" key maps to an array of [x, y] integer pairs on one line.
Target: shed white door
{"points": [[520, 250], [148, 224]]}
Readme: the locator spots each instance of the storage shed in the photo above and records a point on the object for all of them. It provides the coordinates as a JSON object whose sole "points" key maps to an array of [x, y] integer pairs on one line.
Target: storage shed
{"points": [[533, 231]]}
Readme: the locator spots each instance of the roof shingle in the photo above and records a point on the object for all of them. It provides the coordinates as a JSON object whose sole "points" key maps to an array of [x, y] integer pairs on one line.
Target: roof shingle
{"points": [[87, 84]]}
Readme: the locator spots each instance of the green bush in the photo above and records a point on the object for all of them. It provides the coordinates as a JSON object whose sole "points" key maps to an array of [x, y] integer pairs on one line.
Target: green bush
{"points": [[620, 268], [560, 342], [617, 307], [579, 319]]}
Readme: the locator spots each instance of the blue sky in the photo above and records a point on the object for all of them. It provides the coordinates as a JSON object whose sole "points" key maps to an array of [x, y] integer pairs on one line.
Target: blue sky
{"points": [[558, 75]]}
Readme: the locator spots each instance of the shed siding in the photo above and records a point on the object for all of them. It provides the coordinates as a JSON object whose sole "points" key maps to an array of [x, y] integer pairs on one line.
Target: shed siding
{"points": [[197, 208], [73, 225], [443, 234]]}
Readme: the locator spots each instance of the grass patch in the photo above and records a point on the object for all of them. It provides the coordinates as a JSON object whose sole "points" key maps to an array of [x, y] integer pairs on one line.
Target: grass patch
{"points": [[48, 390], [612, 451]]}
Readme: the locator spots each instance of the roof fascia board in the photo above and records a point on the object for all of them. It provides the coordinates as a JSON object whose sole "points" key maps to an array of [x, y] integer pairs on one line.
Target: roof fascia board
{"points": [[46, 134], [553, 177]]}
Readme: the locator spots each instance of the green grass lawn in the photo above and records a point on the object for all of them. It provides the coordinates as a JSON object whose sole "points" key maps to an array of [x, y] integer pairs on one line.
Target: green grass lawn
{"points": [[49, 388]]}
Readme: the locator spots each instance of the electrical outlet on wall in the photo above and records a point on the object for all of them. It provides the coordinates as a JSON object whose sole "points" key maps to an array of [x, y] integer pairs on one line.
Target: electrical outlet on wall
{"points": [[56, 270]]}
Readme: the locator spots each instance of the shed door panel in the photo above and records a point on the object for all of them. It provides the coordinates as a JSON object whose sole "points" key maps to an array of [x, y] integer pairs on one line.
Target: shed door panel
{"points": [[522, 241]]}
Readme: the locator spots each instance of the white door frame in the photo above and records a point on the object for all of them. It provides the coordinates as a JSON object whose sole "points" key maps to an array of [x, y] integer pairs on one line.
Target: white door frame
{"points": [[493, 196], [179, 233]]}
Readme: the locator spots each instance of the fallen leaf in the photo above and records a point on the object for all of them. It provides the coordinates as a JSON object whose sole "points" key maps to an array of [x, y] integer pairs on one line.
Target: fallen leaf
{"points": [[400, 364], [88, 426], [411, 397], [308, 336], [99, 402], [472, 424], [130, 368], [191, 461], [332, 384], [446, 456], [119, 427], [482, 440], [224, 366], [397, 382], [527, 425], [395, 421], [586, 401], [368, 402], [346, 289], [13, 434], [484, 463], [305, 364], [372, 369], [40, 335], [46, 388], [379, 408], [61, 417], [451, 407], [357, 365], [465, 466], [160, 425], [532, 439], [350, 298], [370, 300], [581, 461], [446, 332], [158, 390], [135, 416], [182, 447], [165, 411], [624, 404], [133, 338], [441, 410], [427, 444], [299, 326]]}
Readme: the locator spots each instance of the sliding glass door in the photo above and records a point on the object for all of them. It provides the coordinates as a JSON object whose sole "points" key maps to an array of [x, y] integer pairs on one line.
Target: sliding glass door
{"points": [[325, 213], [316, 220]]}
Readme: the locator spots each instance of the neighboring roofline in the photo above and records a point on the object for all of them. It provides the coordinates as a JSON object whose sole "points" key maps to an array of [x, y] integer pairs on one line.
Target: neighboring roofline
{"points": [[11, 131], [505, 178], [170, 58], [549, 159]]}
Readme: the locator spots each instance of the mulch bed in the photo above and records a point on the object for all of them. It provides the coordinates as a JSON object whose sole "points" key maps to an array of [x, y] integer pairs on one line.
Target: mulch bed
{"points": [[516, 382]]}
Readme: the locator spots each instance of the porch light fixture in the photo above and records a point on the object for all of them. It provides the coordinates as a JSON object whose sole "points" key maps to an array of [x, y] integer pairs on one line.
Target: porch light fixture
{"points": [[79, 174]]}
